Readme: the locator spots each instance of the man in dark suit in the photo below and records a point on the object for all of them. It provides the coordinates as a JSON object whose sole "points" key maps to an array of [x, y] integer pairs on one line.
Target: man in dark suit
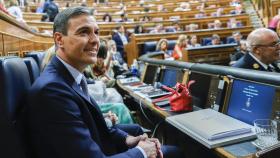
{"points": [[121, 39], [63, 121], [264, 49]]}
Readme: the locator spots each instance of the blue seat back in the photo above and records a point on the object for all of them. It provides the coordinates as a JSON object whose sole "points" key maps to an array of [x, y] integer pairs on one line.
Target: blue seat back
{"points": [[149, 47], [14, 83], [38, 57], [171, 44], [205, 41], [230, 40], [33, 68], [170, 77]]}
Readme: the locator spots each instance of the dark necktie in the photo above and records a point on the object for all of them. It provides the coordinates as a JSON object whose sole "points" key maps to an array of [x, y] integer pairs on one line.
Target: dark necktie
{"points": [[84, 88]]}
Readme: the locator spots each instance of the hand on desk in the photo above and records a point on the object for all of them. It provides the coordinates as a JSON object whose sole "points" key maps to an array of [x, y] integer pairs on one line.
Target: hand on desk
{"points": [[151, 146]]}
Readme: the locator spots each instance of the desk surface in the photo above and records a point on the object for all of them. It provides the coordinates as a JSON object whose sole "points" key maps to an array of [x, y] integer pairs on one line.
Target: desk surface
{"points": [[244, 149]]}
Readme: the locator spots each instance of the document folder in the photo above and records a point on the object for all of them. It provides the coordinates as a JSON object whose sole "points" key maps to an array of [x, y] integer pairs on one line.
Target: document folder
{"points": [[211, 128]]}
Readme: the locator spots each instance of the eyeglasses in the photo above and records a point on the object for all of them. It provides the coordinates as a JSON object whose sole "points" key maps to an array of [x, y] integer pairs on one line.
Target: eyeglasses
{"points": [[276, 45]]}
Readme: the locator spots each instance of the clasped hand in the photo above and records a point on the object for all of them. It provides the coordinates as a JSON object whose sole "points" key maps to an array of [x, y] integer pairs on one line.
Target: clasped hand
{"points": [[151, 146]]}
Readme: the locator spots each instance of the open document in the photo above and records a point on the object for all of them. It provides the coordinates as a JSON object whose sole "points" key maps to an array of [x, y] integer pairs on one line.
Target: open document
{"points": [[211, 128]]}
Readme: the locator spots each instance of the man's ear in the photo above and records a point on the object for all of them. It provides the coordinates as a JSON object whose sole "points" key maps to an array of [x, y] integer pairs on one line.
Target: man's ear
{"points": [[58, 39], [257, 52]]}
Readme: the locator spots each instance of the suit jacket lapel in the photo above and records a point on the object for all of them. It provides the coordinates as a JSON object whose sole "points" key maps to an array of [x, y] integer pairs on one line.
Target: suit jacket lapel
{"points": [[69, 79]]}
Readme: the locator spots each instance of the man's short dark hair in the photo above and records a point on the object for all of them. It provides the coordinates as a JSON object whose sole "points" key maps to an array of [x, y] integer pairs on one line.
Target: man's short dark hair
{"points": [[61, 20]]}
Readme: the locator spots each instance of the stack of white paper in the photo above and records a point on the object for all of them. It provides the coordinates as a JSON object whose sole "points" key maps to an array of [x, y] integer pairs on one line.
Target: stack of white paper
{"points": [[212, 128]]}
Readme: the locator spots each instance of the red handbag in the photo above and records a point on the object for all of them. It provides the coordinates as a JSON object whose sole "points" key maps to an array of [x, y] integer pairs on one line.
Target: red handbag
{"points": [[180, 99]]}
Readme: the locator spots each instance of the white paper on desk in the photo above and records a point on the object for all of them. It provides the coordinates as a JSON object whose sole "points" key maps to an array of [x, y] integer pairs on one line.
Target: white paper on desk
{"points": [[213, 125]]}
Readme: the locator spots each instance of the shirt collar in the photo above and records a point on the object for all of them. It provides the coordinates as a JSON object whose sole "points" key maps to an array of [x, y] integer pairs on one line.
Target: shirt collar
{"points": [[77, 75], [261, 63]]}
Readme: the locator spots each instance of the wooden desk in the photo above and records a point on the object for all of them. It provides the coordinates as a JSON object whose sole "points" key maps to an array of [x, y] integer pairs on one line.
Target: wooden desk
{"points": [[133, 51], [242, 149], [17, 39], [166, 15], [170, 6], [106, 28]]}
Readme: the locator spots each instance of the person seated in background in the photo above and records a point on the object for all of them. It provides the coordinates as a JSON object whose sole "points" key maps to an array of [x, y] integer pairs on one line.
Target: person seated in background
{"points": [[122, 9], [184, 6], [202, 6], [121, 39], [181, 44], [235, 3], [145, 18], [107, 17], [215, 40], [158, 29], [175, 27], [241, 50], [238, 10], [218, 13], [191, 27], [263, 51], [118, 64], [107, 98], [123, 18], [101, 70], [201, 14], [51, 9], [15, 11], [193, 42], [215, 25], [233, 23], [161, 8], [162, 46], [236, 37], [139, 29], [40, 7]]}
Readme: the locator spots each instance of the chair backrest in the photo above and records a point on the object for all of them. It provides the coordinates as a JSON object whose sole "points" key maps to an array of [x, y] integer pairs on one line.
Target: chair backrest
{"points": [[206, 40], [14, 83], [230, 39], [149, 47], [38, 57], [33, 68]]}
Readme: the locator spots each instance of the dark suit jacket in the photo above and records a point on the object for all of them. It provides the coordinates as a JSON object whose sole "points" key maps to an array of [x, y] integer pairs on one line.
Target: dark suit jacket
{"points": [[119, 43], [248, 62], [63, 123]]}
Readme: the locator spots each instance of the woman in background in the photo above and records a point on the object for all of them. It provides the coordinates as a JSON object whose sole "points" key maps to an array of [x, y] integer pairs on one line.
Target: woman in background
{"points": [[15, 11], [139, 29], [193, 42], [181, 44], [107, 18], [162, 46]]}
